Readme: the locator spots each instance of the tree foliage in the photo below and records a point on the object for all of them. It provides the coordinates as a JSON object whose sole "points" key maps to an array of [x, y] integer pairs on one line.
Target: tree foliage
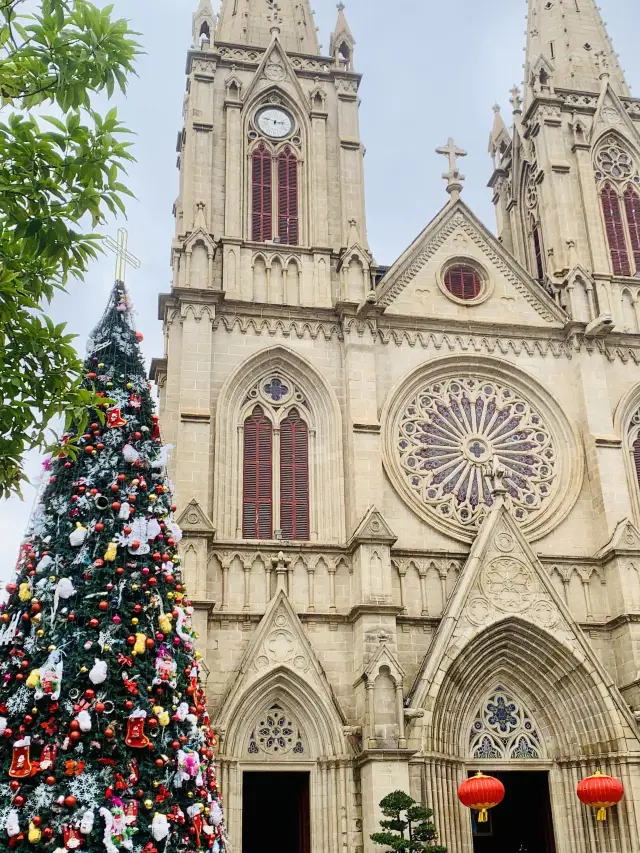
{"points": [[410, 826], [59, 177]]}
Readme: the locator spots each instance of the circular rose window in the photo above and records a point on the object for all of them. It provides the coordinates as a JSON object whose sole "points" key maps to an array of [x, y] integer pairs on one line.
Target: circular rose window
{"points": [[444, 437], [463, 282]]}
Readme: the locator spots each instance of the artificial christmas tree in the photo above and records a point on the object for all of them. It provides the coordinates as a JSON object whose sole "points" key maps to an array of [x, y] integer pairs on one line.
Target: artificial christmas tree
{"points": [[105, 742]]}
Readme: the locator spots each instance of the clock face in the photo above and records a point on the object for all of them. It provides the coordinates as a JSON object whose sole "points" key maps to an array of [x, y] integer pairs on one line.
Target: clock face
{"points": [[275, 123]]}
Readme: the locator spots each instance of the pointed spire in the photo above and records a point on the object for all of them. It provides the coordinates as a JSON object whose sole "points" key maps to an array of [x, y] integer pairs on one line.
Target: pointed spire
{"points": [[342, 41], [567, 47], [252, 22], [204, 25], [500, 138]]}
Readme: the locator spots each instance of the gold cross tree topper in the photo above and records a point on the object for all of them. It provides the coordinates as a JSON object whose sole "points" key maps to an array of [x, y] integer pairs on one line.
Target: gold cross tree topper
{"points": [[124, 258]]}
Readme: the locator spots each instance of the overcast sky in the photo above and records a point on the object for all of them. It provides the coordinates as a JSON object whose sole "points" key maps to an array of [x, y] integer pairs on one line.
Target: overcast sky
{"points": [[431, 70]]}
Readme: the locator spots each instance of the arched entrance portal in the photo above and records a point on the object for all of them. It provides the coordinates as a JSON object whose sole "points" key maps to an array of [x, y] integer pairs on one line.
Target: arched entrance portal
{"points": [[504, 741]]}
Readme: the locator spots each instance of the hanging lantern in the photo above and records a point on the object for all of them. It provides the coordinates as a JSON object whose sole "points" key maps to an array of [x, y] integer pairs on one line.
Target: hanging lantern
{"points": [[601, 793], [481, 793]]}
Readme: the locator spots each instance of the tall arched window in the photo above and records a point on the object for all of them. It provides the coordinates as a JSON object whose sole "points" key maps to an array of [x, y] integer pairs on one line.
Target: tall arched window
{"points": [[614, 227], [288, 221], [636, 457], [537, 250], [257, 514], [632, 208], [294, 477], [261, 194], [275, 474]]}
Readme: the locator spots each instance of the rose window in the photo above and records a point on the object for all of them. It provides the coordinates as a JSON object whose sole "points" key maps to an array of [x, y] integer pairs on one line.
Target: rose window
{"points": [[614, 162], [503, 728], [276, 734], [454, 432]]}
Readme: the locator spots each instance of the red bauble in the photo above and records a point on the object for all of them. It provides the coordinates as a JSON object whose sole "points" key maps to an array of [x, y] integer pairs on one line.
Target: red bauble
{"points": [[27, 718], [11, 588], [175, 744], [138, 608], [37, 820], [74, 736], [129, 704], [14, 785], [159, 762], [131, 640], [601, 793], [50, 780], [115, 488], [139, 336], [18, 801], [99, 707], [94, 623], [99, 527], [481, 793], [135, 544], [70, 801], [93, 492], [47, 833], [104, 605], [115, 506], [71, 617], [119, 570], [109, 732], [89, 693]]}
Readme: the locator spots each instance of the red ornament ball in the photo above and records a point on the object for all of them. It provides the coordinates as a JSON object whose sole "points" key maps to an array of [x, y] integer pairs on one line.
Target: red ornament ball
{"points": [[104, 605], [50, 780], [14, 785], [18, 801], [99, 527], [109, 732], [115, 506], [94, 623], [70, 801]]}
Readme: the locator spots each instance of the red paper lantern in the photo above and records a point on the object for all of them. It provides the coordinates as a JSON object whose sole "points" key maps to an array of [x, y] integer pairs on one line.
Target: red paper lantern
{"points": [[481, 793], [601, 793]]}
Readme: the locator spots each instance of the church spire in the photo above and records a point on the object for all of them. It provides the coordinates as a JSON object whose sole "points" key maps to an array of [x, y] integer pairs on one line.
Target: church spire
{"points": [[342, 41], [251, 22], [568, 48]]}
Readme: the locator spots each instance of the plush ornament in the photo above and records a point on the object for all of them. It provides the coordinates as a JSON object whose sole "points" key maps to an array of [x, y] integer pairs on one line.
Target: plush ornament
{"points": [[77, 537], [162, 459], [195, 814], [130, 454], [188, 768], [153, 528], [136, 738], [131, 812], [9, 630], [166, 669], [64, 591], [48, 680], [134, 773], [35, 833], [164, 623], [125, 512], [182, 712], [24, 592], [183, 623], [98, 672], [21, 764], [159, 826], [176, 532], [48, 757], [140, 646], [115, 419], [215, 813], [86, 824], [164, 719], [71, 837], [84, 718], [44, 564], [12, 825], [111, 553]]}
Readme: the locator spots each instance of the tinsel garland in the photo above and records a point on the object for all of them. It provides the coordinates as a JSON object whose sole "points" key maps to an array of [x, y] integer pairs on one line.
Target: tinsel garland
{"points": [[105, 740]]}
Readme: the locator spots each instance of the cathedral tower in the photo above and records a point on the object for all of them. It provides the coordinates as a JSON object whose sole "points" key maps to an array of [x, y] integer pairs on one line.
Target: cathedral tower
{"points": [[567, 188]]}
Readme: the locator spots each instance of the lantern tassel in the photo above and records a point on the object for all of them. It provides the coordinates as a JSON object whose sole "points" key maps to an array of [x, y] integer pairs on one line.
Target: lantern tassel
{"points": [[483, 817], [602, 814]]}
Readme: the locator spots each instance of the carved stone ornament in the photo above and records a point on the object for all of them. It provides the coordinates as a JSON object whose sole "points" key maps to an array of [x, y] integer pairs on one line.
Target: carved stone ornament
{"points": [[275, 72], [509, 585], [281, 646]]}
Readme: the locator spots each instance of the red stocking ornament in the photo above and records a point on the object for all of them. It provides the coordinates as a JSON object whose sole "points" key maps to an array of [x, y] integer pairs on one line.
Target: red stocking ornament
{"points": [[136, 738], [21, 764]]}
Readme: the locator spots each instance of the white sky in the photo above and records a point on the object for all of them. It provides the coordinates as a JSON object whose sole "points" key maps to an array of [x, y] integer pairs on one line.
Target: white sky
{"points": [[431, 70]]}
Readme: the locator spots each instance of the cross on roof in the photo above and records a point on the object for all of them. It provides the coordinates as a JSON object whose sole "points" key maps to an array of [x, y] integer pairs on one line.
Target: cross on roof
{"points": [[454, 177], [516, 100], [123, 257]]}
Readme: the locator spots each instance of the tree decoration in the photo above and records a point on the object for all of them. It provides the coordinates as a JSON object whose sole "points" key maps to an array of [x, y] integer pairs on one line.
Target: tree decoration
{"points": [[481, 793], [105, 741], [600, 793]]}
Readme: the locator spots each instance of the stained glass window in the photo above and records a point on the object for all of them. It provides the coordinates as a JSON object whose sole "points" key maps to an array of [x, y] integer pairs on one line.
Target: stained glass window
{"points": [[503, 729], [276, 733]]}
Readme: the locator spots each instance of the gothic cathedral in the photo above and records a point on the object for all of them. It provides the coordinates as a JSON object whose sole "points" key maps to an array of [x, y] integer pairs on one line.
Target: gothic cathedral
{"points": [[410, 494]]}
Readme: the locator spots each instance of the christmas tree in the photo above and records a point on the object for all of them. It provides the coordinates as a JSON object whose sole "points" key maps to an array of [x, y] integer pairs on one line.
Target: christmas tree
{"points": [[105, 741]]}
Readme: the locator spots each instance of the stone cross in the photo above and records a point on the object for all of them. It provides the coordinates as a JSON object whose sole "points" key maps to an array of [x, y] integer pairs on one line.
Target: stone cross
{"points": [[453, 177], [123, 257]]}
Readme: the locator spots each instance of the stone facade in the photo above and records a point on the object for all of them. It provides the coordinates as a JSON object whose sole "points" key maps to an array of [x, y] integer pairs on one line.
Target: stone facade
{"points": [[474, 501]]}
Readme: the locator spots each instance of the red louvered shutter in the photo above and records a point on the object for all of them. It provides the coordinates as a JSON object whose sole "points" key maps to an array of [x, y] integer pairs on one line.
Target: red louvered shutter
{"points": [[294, 477], [632, 207], [615, 231], [257, 496], [463, 282], [288, 221], [261, 195]]}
